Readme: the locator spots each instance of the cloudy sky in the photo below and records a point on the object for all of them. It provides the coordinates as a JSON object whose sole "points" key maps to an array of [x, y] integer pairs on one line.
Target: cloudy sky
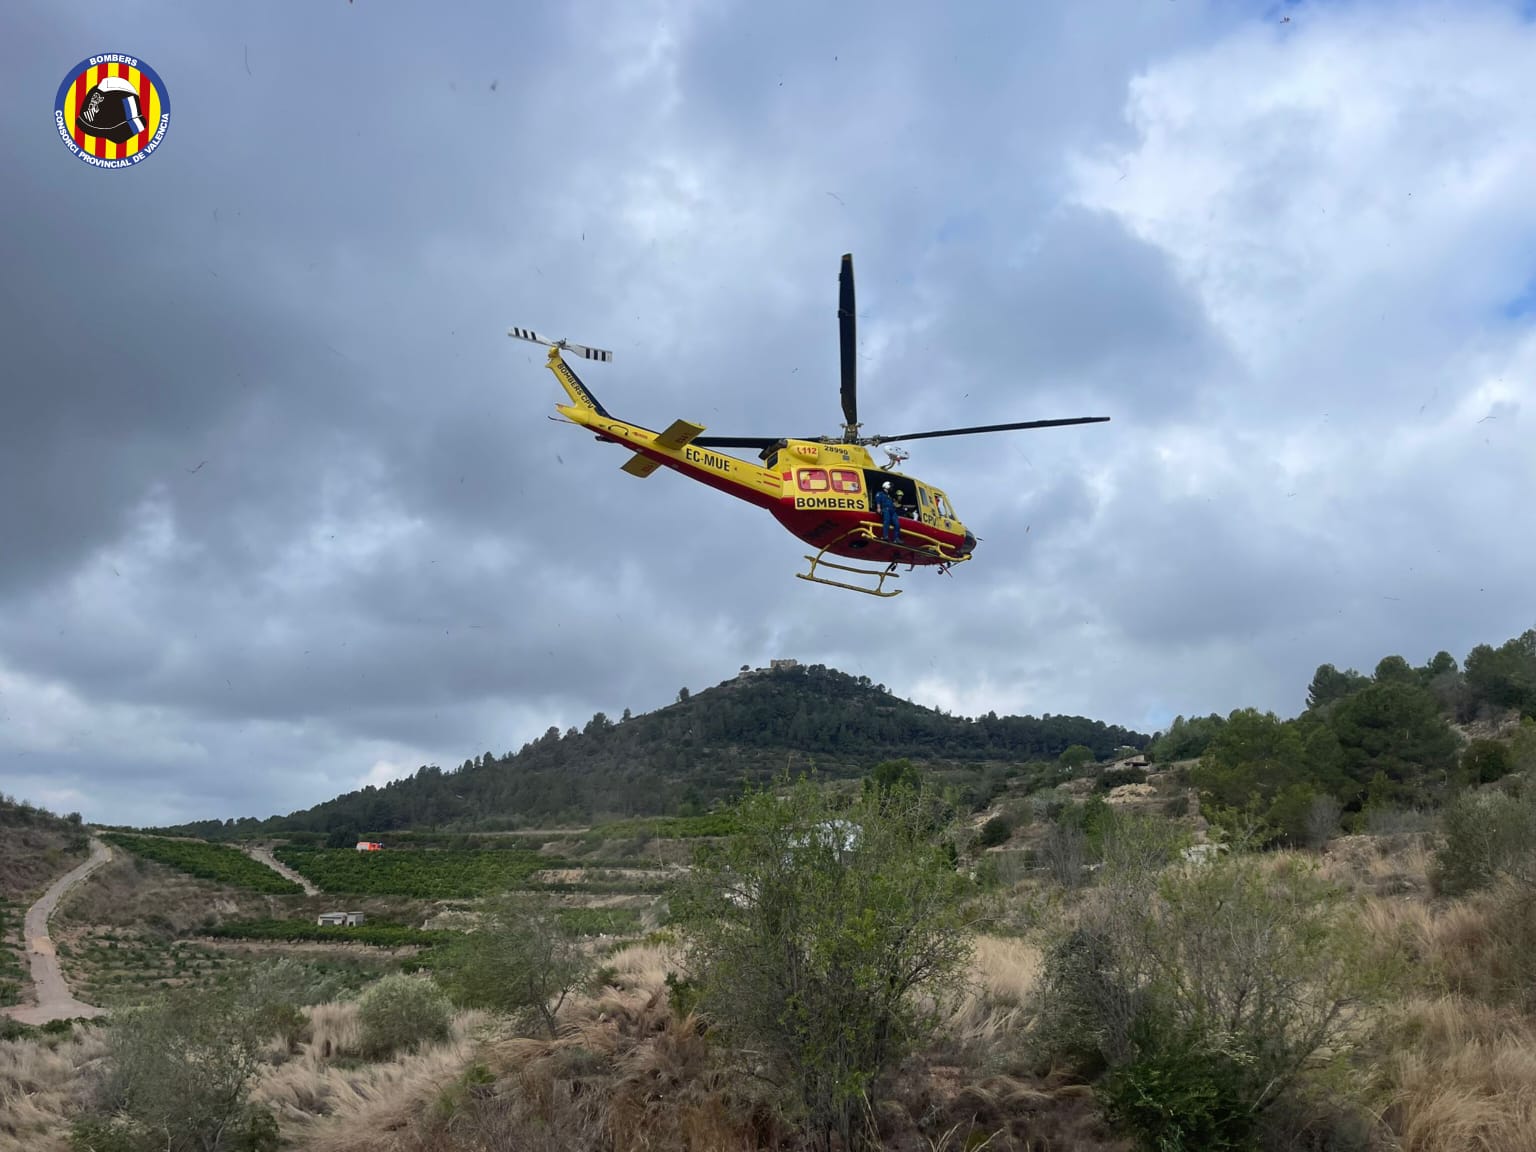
{"points": [[281, 511]]}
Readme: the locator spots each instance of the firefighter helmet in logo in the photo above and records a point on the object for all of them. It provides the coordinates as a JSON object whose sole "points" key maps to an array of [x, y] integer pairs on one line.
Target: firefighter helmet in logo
{"points": [[112, 111]]}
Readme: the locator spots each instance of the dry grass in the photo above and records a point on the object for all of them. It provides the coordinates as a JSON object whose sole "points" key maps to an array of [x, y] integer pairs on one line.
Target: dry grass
{"points": [[38, 1086], [328, 1102], [1466, 1080], [1457, 1063], [1380, 865], [1002, 974], [644, 966]]}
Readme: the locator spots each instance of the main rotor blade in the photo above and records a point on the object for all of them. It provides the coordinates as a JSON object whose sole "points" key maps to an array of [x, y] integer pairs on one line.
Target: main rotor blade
{"points": [[849, 346], [740, 441], [985, 428]]}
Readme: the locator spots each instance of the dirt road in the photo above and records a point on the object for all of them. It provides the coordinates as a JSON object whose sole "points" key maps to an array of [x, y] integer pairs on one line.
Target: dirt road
{"points": [[263, 855], [54, 1001]]}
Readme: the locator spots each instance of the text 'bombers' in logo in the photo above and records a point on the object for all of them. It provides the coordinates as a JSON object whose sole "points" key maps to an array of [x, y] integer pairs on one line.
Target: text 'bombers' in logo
{"points": [[112, 111]]}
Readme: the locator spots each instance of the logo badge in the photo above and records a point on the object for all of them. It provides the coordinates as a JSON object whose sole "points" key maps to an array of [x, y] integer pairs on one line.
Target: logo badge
{"points": [[112, 111]]}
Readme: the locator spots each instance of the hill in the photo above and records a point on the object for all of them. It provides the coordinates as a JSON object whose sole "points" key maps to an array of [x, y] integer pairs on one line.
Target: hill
{"points": [[35, 847], [683, 757]]}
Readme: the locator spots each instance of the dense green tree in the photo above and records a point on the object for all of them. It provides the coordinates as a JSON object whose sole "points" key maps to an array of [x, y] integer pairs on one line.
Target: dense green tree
{"points": [[1254, 756], [1504, 677], [1186, 739], [1077, 756], [1441, 663], [1329, 685], [1395, 730]]}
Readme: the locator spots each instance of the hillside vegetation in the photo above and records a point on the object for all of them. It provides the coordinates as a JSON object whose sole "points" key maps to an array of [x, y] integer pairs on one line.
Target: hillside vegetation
{"points": [[215, 862], [1283, 936], [1367, 748], [685, 757], [36, 847]]}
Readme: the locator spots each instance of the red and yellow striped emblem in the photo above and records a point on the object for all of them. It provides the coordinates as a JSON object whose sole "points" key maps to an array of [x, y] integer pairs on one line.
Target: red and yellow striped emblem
{"points": [[149, 102]]}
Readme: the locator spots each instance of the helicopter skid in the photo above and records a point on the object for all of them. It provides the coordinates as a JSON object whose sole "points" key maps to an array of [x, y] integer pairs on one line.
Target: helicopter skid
{"points": [[925, 551], [889, 573], [913, 549]]}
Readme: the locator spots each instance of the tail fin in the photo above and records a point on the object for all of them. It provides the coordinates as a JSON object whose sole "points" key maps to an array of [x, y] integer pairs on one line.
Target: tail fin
{"points": [[572, 384]]}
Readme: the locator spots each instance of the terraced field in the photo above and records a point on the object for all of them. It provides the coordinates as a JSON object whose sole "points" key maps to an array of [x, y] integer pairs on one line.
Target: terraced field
{"points": [[116, 969], [216, 862], [177, 911]]}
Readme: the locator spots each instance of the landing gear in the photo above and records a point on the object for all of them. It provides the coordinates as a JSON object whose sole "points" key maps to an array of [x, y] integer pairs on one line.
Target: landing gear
{"points": [[924, 550], [880, 577]]}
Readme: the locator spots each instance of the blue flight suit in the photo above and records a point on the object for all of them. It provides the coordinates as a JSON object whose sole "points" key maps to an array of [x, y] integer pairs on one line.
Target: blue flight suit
{"points": [[890, 528]]}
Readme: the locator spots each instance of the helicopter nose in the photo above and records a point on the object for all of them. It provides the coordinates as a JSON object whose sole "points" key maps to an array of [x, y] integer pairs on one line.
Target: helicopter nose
{"points": [[970, 543]]}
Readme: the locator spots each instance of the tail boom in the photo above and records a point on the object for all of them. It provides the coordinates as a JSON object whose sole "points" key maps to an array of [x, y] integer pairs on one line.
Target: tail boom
{"points": [[672, 448]]}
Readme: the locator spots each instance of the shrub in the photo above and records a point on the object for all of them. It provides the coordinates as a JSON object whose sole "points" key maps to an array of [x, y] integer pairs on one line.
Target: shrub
{"points": [[402, 1011], [1178, 1095], [1487, 834], [1223, 984], [823, 941], [178, 1075], [1486, 761], [995, 831], [523, 957], [1322, 820]]}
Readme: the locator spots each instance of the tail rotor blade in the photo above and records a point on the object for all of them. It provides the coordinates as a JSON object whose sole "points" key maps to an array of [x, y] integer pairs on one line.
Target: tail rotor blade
{"points": [[586, 353]]}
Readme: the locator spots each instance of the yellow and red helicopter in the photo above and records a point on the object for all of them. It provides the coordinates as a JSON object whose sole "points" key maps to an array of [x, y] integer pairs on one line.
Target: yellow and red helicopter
{"points": [[823, 489]]}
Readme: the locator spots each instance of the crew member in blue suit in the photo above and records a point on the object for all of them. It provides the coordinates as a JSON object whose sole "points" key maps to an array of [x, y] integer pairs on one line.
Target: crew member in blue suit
{"points": [[890, 527]]}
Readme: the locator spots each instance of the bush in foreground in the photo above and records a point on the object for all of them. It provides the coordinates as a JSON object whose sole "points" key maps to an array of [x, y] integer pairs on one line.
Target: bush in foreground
{"points": [[822, 939], [523, 957], [1210, 995], [402, 1011], [178, 1075]]}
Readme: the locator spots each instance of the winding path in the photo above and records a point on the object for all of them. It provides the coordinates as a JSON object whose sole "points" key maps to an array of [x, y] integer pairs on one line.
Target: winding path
{"points": [[263, 855], [54, 999]]}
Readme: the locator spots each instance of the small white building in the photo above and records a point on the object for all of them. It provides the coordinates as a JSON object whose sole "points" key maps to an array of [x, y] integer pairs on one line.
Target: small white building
{"points": [[342, 919]]}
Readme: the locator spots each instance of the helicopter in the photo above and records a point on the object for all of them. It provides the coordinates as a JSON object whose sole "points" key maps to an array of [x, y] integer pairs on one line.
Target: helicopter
{"points": [[821, 488]]}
